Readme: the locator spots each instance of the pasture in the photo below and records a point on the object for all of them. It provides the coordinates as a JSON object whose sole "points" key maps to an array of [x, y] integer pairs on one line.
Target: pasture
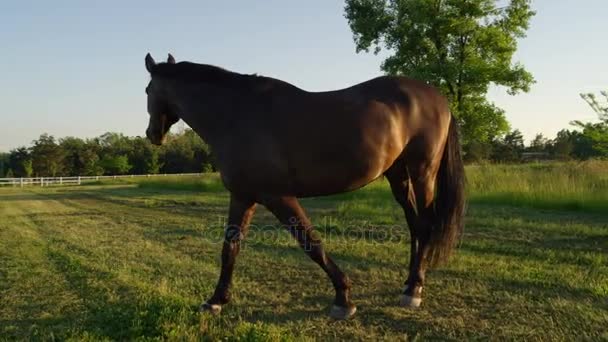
{"points": [[134, 259]]}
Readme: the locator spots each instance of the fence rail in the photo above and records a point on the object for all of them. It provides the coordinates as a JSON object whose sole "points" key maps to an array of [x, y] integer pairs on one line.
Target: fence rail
{"points": [[76, 180]]}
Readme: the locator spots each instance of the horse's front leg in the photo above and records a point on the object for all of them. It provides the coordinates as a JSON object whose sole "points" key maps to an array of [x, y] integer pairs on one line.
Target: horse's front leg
{"points": [[239, 216]]}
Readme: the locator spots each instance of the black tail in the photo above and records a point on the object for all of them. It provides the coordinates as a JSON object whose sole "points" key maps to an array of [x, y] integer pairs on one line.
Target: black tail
{"points": [[449, 201]]}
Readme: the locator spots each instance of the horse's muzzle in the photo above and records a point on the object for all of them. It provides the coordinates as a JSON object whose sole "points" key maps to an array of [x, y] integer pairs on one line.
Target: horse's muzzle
{"points": [[155, 139]]}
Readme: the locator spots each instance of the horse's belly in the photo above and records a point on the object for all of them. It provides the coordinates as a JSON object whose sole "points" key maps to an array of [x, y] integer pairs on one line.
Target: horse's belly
{"points": [[333, 178], [310, 170], [299, 182]]}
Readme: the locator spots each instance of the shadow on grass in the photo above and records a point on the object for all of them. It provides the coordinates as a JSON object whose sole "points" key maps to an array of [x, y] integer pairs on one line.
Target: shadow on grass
{"points": [[530, 289], [573, 251]]}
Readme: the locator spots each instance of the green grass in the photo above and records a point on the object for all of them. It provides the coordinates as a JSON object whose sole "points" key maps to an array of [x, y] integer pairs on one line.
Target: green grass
{"points": [[578, 186], [134, 259]]}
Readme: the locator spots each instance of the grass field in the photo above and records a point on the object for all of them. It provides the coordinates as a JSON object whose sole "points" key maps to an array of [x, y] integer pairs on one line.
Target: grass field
{"points": [[126, 260]]}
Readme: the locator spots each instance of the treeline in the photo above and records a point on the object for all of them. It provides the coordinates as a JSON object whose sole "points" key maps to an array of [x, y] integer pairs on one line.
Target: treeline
{"points": [[116, 154], [109, 154], [590, 142]]}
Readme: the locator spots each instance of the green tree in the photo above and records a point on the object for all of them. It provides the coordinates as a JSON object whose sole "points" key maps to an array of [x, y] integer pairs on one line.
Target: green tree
{"points": [[460, 46], [4, 164], [178, 155], [592, 142], [203, 159], [81, 158], [47, 156], [598, 106], [114, 152], [595, 135], [539, 143], [478, 151], [115, 143], [144, 157], [28, 168], [91, 165], [562, 146], [186, 152], [73, 148], [20, 162], [115, 165], [509, 148]]}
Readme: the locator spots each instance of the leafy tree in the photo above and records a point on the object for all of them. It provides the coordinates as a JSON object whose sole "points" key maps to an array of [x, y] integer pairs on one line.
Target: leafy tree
{"points": [[114, 151], [178, 156], [90, 163], [563, 145], [592, 141], [81, 158], [186, 152], [203, 160], [115, 165], [4, 164], [28, 168], [73, 148], [601, 108], [595, 135], [539, 144], [115, 143], [9, 173], [144, 157], [20, 162], [47, 156], [460, 46], [478, 151], [509, 148]]}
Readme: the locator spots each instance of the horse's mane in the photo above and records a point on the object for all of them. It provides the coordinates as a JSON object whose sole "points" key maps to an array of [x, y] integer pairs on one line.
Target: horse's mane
{"points": [[205, 73]]}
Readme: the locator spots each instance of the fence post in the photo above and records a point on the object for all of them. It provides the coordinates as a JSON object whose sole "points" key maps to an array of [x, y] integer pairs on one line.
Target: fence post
{"points": [[41, 181], [78, 180], [96, 178], [60, 180], [21, 182]]}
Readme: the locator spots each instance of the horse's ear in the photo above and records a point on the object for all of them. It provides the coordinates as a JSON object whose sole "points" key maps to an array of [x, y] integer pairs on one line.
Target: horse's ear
{"points": [[170, 59], [150, 63]]}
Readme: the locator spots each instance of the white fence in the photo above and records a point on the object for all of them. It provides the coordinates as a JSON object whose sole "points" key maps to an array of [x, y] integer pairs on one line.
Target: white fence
{"points": [[47, 181]]}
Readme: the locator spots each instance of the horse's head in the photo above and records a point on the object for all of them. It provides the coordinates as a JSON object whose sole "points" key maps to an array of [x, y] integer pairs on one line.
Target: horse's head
{"points": [[162, 115]]}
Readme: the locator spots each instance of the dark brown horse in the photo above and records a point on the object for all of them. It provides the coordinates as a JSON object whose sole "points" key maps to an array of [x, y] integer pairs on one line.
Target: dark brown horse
{"points": [[275, 142]]}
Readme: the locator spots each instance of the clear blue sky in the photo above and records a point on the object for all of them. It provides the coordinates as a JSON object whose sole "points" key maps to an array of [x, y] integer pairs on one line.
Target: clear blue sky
{"points": [[76, 68]]}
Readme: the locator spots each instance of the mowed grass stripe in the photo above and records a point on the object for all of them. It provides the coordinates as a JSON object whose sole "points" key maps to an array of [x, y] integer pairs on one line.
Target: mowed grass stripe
{"points": [[34, 291], [74, 243]]}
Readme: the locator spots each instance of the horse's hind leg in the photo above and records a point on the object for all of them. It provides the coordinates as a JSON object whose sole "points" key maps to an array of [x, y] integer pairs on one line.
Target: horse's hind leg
{"points": [[415, 194], [291, 214]]}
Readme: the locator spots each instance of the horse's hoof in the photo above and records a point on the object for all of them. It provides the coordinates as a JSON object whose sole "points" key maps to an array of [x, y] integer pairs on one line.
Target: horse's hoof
{"points": [[411, 302], [214, 309], [339, 312]]}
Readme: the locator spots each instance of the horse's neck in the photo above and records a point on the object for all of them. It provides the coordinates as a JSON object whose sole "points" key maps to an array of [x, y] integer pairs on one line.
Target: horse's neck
{"points": [[205, 108]]}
